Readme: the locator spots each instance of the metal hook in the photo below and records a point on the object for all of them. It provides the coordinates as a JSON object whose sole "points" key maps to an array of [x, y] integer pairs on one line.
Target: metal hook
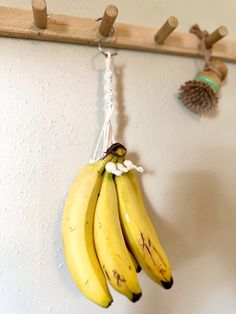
{"points": [[103, 52], [99, 42]]}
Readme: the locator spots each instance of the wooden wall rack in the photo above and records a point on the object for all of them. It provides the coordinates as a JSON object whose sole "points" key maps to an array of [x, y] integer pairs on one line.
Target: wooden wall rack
{"points": [[36, 24]]}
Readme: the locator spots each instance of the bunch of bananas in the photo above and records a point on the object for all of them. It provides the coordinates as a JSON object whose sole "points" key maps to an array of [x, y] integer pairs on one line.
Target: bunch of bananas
{"points": [[108, 235]]}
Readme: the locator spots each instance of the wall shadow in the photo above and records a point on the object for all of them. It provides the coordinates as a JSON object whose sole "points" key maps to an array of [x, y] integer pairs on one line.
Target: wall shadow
{"points": [[200, 210], [202, 215]]}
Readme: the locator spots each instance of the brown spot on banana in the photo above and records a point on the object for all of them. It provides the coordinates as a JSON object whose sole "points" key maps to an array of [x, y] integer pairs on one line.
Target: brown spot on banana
{"points": [[119, 279], [160, 257], [71, 228], [147, 246], [143, 243]]}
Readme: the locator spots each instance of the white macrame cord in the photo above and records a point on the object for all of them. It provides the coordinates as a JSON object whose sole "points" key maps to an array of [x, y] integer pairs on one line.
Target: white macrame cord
{"points": [[106, 132]]}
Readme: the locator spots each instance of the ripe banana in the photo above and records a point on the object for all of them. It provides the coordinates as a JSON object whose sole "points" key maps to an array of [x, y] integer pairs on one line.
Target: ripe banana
{"points": [[110, 246], [139, 231], [77, 227]]}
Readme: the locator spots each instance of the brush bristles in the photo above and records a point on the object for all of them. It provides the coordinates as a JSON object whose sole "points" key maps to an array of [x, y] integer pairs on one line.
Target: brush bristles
{"points": [[198, 96]]}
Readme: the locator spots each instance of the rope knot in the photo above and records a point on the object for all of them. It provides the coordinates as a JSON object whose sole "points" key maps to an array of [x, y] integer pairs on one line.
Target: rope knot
{"points": [[204, 51]]}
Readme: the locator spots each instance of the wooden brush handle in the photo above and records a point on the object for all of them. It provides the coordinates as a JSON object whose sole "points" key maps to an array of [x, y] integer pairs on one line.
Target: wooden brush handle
{"points": [[220, 66]]}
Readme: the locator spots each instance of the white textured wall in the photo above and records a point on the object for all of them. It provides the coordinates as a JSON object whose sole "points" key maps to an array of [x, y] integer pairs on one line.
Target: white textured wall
{"points": [[50, 116]]}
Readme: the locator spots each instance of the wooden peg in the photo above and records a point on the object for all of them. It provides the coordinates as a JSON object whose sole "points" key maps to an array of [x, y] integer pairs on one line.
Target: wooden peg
{"points": [[108, 20], [167, 28], [218, 34], [39, 8]]}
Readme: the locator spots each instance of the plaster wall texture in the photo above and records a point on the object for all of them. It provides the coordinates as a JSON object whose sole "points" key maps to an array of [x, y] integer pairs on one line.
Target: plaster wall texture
{"points": [[51, 113]]}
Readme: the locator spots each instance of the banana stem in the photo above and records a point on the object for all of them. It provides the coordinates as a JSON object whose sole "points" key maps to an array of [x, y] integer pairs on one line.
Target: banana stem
{"points": [[121, 160], [117, 149], [114, 159]]}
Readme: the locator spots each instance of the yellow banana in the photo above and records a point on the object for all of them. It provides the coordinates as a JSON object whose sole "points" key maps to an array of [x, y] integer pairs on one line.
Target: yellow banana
{"points": [[77, 228], [110, 246], [139, 231]]}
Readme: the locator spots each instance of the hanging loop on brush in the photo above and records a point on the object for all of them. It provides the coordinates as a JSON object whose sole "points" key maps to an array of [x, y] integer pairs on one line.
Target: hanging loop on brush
{"points": [[205, 52]]}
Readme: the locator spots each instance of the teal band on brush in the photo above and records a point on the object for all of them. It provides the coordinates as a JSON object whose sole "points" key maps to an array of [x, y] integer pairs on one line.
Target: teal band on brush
{"points": [[209, 81]]}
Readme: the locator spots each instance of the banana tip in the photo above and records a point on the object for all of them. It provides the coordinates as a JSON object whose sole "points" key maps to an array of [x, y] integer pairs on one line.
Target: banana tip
{"points": [[109, 304], [139, 268], [136, 297], [167, 284]]}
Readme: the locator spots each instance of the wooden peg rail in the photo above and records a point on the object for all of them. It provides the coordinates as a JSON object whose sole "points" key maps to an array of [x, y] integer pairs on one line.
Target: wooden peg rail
{"points": [[37, 25]]}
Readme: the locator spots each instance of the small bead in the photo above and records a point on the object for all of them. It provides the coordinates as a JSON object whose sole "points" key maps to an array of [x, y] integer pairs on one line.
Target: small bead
{"points": [[117, 173], [139, 168], [121, 167], [110, 166], [128, 164]]}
